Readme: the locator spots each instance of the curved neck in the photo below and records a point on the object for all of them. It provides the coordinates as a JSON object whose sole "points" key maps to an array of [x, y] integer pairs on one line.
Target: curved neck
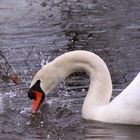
{"points": [[100, 88]]}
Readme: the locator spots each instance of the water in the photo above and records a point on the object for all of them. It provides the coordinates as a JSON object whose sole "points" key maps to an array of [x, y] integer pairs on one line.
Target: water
{"points": [[34, 32]]}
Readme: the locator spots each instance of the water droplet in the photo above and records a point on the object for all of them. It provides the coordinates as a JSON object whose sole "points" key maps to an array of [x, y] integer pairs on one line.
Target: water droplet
{"points": [[12, 108], [28, 123], [25, 71], [83, 90], [41, 123], [43, 62], [48, 136], [48, 60]]}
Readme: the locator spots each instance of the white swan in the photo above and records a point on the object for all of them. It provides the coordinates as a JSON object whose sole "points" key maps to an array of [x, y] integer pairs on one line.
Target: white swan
{"points": [[124, 109]]}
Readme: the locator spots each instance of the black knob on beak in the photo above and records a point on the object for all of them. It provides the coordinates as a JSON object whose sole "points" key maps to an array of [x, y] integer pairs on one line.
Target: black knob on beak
{"points": [[31, 94]]}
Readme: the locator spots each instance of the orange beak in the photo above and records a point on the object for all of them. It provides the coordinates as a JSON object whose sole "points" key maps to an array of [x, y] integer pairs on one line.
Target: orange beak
{"points": [[37, 101]]}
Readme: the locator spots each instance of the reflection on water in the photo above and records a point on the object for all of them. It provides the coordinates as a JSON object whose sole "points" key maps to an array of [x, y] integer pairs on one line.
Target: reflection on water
{"points": [[34, 32]]}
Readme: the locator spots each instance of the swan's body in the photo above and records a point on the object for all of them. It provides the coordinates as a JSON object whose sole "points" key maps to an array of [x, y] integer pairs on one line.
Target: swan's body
{"points": [[124, 109]]}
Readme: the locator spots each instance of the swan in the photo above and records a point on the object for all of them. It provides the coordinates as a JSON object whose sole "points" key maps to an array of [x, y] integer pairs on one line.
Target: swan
{"points": [[123, 109]]}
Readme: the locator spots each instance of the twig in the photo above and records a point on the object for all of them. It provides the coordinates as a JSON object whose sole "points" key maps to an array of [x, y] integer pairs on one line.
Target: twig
{"points": [[29, 54], [2, 55], [7, 63]]}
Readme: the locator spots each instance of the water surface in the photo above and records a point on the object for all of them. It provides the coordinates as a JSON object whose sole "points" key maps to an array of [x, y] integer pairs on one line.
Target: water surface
{"points": [[34, 32]]}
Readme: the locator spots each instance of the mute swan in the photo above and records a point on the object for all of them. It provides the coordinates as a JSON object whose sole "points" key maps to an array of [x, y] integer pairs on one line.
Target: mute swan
{"points": [[124, 109]]}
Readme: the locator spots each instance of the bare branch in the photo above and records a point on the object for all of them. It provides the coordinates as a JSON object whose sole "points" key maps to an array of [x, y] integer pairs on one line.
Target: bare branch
{"points": [[30, 52], [5, 73]]}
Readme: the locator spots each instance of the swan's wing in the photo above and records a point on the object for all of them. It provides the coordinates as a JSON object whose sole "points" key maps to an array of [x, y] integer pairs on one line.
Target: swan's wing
{"points": [[130, 96]]}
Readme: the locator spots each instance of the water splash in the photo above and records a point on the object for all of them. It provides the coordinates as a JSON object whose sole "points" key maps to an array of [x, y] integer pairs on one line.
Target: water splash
{"points": [[10, 94], [25, 111], [44, 62]]}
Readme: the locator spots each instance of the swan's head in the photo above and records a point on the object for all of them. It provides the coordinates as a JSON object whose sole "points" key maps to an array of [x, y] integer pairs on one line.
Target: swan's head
{"points": [[43, 82], [36, 93]]}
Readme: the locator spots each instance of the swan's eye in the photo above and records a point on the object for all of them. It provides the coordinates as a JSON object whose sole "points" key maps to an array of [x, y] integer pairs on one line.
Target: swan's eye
{"points": [[31, 94]]}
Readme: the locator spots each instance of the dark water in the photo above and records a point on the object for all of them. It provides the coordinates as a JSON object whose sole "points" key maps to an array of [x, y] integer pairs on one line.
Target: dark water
{"points": [[34, 32]]}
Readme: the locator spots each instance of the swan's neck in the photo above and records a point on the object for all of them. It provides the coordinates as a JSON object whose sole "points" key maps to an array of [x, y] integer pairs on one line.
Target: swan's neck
{"points": [[100, 88]]}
